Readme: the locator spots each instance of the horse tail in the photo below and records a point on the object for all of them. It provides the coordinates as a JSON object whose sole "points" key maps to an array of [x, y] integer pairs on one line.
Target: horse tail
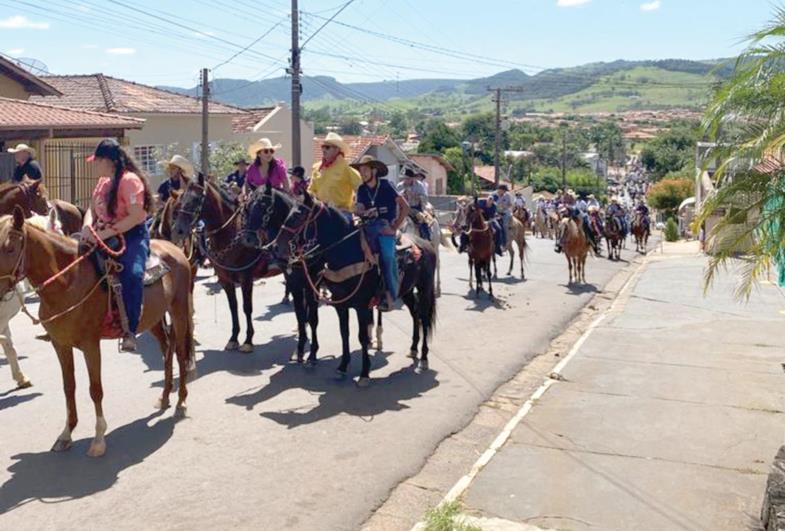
{"points": [[427, 302]]}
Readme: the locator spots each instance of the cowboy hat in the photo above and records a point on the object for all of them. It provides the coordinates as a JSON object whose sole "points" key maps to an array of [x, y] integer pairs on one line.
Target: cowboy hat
{"points": [[503, 186], [614, 199], [178, 161], [367, 160], [334, 139], [262, 143], [22, 147]]}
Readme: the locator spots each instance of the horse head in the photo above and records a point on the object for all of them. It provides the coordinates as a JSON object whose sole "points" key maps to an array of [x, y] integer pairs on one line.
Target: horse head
{"points": [[291, 230], [29, 195], [12, 250], [266, 213], [189, 211]]}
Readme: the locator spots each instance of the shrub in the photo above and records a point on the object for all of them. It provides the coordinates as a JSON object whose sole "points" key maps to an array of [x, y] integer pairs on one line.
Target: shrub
{"points": [[671, 230]]}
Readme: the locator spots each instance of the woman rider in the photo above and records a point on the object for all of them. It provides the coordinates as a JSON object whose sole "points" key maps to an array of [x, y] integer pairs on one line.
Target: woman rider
{"points": [[266, 167], [120, 204]]}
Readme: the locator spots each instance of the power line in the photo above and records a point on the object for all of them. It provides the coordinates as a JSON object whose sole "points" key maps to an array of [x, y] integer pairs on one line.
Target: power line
{"points": [[347, 4], [262, 36]]}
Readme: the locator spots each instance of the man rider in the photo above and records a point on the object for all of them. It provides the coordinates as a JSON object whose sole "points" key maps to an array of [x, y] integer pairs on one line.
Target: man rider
{"points": [[416, 197], [504, 202], [236, 179], [384, 210], [642, 210], [178, 169], [616, 211], [26, 165], [488, 207]]}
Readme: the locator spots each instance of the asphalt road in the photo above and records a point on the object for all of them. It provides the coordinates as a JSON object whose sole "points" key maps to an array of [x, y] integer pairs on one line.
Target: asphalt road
{"points": [[268, 444]]}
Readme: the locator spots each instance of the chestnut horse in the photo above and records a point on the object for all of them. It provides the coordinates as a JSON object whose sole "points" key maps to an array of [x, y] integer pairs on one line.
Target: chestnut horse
{"points": [[576, 248], [481, 246], [32, 198], [73, 307], [614, 235], [234, 263], [640, 229], [516, 232]]}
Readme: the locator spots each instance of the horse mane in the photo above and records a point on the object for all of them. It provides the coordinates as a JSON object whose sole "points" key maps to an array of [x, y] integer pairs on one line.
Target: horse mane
{"points": [[222, 194]]}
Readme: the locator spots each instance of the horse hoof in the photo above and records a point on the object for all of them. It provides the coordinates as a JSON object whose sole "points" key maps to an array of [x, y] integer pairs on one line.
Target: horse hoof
{"points": [[232, 345], [162, 403], [412, 354], [181, 410], [312, 362], [62, 445], [363, 381], [246, 348], [422, 367], [340, 372], [25, 384], [97, 449]]}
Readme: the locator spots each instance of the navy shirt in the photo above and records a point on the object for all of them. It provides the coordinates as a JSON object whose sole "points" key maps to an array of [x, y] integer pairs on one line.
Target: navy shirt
{"points": [[236, 177], [383, 196], [29, 168], [164, 191], [489, 211]]}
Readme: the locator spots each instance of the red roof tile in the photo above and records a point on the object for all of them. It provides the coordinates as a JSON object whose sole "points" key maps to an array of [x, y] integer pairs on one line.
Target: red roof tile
{"points": [[358, 145], [97, 92], [27, 115], [244, 123]]}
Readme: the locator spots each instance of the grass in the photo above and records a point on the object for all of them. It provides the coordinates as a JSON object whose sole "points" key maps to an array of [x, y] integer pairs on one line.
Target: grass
{"points": [[447, 517]]}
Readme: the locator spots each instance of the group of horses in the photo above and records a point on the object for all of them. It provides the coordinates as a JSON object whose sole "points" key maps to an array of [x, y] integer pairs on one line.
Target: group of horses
{"points": [[324, 259]]}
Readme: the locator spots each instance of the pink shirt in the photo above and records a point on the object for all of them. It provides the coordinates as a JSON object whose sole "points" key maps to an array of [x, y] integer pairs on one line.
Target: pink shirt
{"points": [[276, 174], [130, 192]]}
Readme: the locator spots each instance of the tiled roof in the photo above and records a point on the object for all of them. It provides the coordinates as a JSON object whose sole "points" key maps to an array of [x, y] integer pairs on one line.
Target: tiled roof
{"points": [[768, 165], [244, 123], [31, 83], [26, 115], [487, 173], [358, 145], [97, 92]]}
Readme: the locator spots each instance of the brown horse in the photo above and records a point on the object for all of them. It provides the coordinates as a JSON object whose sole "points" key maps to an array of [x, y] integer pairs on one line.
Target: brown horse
{"points": [[74, 305], [516, 232], [576, 248], [162, 229], [640, 230], [31, 196], [481, 247]]}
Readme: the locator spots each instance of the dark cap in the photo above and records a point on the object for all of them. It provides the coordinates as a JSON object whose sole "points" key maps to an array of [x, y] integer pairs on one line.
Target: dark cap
{"points": [[241, 161], [297, 171], [408, 172], [503, 187], [108, 148]]}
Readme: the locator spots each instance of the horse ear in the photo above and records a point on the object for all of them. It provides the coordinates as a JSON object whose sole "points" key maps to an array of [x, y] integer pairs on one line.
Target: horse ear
{"points": [[307, 199], [34, 185], [19, 217], [201, 179]]}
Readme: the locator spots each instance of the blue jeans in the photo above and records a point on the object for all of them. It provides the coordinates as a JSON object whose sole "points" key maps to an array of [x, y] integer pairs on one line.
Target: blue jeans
{"points": [[137, 249], [385, 245], [506, 215]]}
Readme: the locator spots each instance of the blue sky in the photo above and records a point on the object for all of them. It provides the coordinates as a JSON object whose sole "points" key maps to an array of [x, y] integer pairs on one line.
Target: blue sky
{"points": [[87, 36]]}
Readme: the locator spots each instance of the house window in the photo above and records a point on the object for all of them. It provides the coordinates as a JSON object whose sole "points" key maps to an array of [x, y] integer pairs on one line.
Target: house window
{"points": [[147, 157]]}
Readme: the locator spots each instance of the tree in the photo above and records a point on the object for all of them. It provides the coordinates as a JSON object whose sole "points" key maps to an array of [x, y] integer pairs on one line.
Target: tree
{"points": [[461, 170], [747, 120], [223, 157], [668, 194], [398, 125], [672, 150], [435, 137], [608, 139], [350, 127]]}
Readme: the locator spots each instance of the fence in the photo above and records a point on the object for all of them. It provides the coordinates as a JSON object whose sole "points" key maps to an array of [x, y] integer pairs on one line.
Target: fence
{"points": [[7, 165], [67, 175]]}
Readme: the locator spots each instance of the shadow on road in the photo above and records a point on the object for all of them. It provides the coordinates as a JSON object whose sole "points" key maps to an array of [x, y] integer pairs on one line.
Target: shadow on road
{"points": [[13, 400], [58, 477], [337, 394], [580, 289]]}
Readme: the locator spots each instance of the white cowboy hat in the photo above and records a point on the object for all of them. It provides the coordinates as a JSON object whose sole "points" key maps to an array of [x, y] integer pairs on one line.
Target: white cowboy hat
{"points": [[22, 147], [178, 161], [334, 139], [262, 143]]}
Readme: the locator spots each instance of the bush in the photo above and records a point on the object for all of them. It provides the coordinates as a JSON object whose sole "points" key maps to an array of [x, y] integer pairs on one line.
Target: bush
{"points": [[671, 230], [667, 195]]}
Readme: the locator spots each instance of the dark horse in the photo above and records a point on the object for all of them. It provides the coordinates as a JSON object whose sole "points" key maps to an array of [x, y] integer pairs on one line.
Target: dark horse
{"points": [[315, 231], [266, 213], [640, 229], [614, 234], [481, 245], [233, 262]]}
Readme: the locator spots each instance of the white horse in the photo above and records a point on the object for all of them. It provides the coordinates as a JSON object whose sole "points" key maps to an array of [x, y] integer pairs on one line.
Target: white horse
{"points": [[11, 304]]}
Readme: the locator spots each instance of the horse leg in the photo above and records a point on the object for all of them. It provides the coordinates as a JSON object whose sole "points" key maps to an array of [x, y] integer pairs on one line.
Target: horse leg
{"points": [[231, 297], [410, 300], [182, 342], [66, 357], [364, 320], [343, 321], [490, 280], [379, 331], [569, 265], [299, 312], [471, 272], [247, 288], [313, 320], [512, 258], [92, 355], [495, 270], [167, 349], [13, 360], [478, 272]]}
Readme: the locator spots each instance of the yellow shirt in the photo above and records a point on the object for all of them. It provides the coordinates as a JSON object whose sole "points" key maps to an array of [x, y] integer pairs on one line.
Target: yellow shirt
{"points": [[336, 184]]}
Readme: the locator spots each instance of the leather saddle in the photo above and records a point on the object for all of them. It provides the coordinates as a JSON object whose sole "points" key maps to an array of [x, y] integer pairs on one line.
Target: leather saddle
{"points": [[155, 267]]}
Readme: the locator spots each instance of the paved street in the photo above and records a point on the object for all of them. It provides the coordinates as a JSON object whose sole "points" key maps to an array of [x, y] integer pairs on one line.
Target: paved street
{"points": [[268, 443], [667, 417]]}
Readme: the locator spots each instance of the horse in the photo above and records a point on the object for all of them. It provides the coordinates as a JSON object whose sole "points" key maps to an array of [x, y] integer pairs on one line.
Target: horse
{"points": [[516, 232], [576, 247], [523, 215], [267, 211], [411, 228], [544, 223], [65, 282], [640, 229], [482, 248], [614, 234], [162, 229], [314, 230], [233, 262], [31, 196]]}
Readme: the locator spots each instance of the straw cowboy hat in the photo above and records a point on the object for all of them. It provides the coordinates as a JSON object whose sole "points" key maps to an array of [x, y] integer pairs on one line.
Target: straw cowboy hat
{"points": [[22, 147], [614, 199], [178, 161], [334, 139], [367, 160], [262, 143]]}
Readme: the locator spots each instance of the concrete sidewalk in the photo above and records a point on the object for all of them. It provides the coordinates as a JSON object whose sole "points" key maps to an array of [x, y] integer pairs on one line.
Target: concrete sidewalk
{"points": [[667, 418]]}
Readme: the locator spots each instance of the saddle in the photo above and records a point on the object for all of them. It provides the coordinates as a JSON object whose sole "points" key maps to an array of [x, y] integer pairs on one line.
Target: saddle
{"points": [[154, 270]]}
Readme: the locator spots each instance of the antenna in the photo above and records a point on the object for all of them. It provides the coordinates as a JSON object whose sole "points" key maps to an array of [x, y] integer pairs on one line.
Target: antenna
{"points": [[34, 66]]}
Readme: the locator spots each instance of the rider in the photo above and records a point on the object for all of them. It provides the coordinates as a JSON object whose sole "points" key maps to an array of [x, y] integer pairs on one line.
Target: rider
{"points": [[26, 165], [265, 167], [237, 177], [504, 201], [416, 196], [592, 202], [488, 207], [178, 169], [582, 219], [120, 204], [616, 211], [385, 210], [298, 182], [643, 211], [333, 181]]}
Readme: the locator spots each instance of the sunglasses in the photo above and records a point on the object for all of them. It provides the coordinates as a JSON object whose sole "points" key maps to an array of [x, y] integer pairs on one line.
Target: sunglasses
{"points": [[267, 151], [327, 146]]}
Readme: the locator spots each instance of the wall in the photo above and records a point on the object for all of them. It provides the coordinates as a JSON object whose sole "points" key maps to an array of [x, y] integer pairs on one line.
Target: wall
{"points": [[278, 128], [11, 89], [384, 154], [437, 175]]}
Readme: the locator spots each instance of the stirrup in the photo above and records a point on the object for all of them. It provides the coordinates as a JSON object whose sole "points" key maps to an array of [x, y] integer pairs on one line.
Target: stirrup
{"points": [[128, 343]]}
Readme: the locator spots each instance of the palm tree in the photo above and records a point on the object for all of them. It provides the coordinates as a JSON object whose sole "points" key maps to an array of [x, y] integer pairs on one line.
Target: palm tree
{"points": [[746, 119]]}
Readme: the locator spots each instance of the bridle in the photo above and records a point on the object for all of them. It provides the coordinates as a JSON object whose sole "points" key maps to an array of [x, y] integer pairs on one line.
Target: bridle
{"points": [[266, 216], [296, 243], [18, 273]]}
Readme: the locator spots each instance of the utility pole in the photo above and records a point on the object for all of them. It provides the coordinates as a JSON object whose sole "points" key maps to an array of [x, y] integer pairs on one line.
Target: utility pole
{"points": [[497, 152], [564, 159], [297, 88], [205, 115]]}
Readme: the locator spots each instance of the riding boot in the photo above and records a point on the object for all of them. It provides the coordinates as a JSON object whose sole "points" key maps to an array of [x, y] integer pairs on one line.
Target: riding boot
{"points": [[464, 243], [128, 343]]}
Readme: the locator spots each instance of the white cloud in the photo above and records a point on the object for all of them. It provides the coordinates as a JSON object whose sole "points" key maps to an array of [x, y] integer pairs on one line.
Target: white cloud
{"points": [[15, 51], [121, 51], [20, 22], [571, 3], [651, 6]]}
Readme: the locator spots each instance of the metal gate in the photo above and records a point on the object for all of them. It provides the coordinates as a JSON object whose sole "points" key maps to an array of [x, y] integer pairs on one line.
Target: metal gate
{"points": [[7, 165], [67, 175]]}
